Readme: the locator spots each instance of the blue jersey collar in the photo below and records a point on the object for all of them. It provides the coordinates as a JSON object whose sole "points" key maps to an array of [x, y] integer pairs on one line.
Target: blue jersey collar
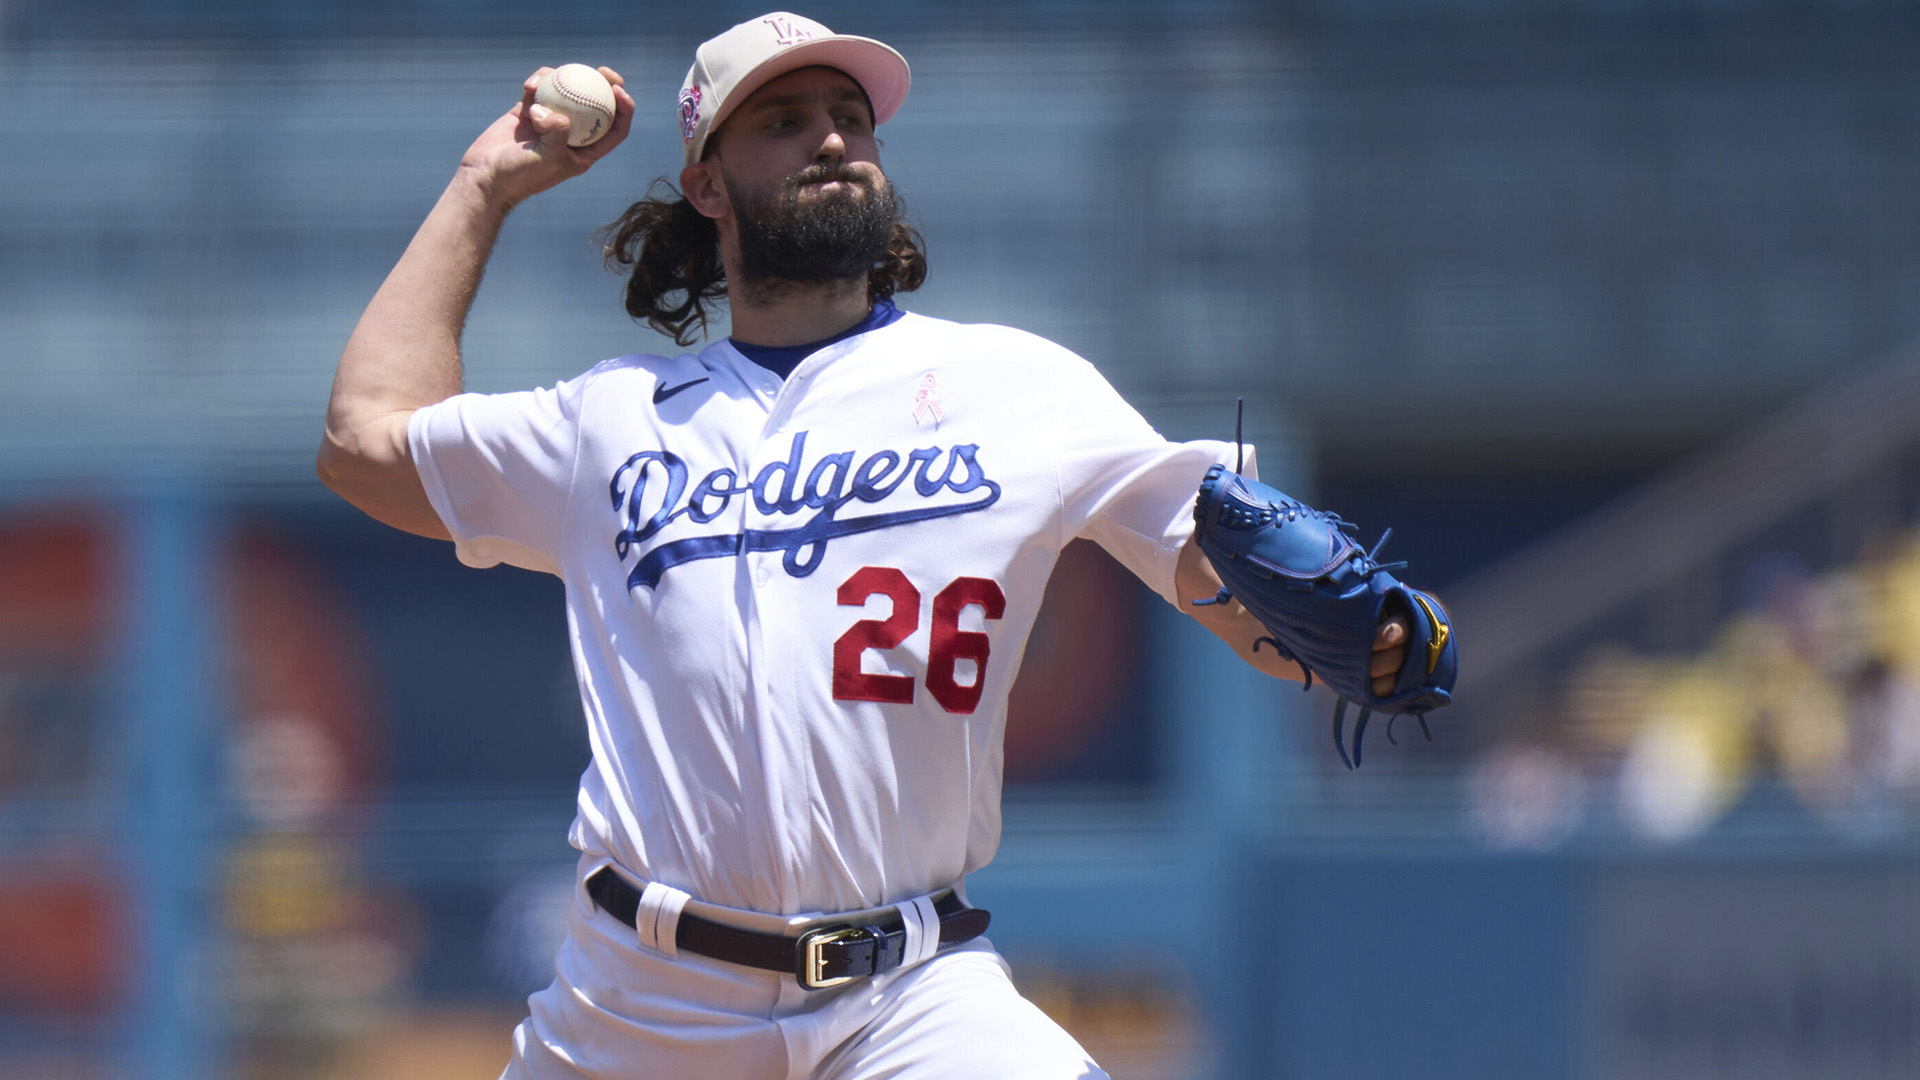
{"points": [[781, 360]]}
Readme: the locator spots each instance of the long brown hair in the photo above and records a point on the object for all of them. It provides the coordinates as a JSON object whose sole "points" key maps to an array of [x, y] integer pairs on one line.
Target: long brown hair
{"points": [[673, 252]]}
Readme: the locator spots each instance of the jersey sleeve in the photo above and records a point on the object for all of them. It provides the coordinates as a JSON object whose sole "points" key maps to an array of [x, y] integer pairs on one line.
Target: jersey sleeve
{"points": [[1127, 488], [498, 469]]}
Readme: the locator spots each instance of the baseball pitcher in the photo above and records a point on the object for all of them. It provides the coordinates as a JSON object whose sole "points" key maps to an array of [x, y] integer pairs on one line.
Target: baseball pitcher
{"points": [[800, 565]]}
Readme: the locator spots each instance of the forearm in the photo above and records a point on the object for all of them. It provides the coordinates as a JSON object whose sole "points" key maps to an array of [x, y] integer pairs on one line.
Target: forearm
{"points": [[405, 354], [405, 351], [1194, 579]]}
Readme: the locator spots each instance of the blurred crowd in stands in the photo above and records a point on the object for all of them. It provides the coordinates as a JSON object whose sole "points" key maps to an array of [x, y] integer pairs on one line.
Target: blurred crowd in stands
{"points": [[1811, 686]]}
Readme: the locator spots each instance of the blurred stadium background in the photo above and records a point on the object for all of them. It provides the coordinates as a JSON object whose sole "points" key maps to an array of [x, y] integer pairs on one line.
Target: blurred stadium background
{"points": [[1608, 306]]}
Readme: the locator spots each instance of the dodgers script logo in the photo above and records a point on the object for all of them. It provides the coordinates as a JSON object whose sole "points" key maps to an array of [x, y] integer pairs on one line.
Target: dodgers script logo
{"points": [[658, 497]]}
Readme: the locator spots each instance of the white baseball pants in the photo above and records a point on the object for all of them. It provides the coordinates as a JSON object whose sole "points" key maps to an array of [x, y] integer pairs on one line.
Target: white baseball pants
{"points": [[618, 1009]]}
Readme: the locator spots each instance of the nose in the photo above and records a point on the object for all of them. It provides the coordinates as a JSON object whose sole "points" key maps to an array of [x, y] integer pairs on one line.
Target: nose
{"points": [[832, 149]]}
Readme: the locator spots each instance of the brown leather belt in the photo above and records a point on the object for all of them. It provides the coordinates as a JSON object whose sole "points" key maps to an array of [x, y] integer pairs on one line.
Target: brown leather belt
{"points": [[824, 956]]}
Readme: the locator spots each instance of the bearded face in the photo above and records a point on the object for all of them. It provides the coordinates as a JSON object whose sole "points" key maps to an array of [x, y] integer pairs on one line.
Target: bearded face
{"points": [[801, 231]]}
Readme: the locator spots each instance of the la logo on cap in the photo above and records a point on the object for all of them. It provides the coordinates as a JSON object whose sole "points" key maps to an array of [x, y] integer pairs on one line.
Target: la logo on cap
{"points": [[786, 31]]}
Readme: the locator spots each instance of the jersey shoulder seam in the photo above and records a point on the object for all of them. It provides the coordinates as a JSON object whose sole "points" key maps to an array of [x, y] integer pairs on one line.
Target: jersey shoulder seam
{"points": [[586, 380], [647, 362], [573, 469]]}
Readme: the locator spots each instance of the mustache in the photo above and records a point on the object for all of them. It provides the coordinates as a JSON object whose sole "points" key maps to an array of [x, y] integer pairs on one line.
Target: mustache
{"points": [[823, 172]]}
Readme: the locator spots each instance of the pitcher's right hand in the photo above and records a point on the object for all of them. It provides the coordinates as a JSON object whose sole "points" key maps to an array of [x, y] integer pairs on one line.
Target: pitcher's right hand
{"points": [[525, 152]]}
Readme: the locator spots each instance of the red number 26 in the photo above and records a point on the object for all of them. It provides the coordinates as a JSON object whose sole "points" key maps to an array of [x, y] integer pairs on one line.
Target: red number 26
{"points": [[949, 645]]}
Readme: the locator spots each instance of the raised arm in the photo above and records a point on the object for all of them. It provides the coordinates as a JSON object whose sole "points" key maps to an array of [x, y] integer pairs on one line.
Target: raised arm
{"points": [[405, 351]]}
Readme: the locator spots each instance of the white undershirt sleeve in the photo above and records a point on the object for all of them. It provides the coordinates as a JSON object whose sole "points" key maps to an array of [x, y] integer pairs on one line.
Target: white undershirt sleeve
{"points": [[497, 468]]}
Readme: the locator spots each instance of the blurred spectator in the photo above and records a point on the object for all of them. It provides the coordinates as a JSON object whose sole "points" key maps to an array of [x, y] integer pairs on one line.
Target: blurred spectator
{"points": [[1813, 680], [1890, 707], [1687, 762], [1528, 798], [316, 956]]}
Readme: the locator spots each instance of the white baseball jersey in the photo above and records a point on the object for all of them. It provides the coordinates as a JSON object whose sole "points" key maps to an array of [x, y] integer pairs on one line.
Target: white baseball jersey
{"points": [[797, 607]]}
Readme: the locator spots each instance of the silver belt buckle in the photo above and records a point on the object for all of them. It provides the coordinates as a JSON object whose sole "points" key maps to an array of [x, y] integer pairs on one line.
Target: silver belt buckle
{"points": [[810, 965]]}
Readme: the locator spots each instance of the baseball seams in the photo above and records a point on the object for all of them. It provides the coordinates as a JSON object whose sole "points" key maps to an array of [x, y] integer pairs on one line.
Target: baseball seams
{"points": [[577, 97], [585, 96]]}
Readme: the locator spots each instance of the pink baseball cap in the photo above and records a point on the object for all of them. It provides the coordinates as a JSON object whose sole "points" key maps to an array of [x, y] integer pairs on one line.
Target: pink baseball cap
{"points": [[728, 68]]}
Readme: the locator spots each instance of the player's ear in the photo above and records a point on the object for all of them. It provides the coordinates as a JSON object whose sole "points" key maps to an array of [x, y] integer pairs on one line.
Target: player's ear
{"points": [[703, 186]]}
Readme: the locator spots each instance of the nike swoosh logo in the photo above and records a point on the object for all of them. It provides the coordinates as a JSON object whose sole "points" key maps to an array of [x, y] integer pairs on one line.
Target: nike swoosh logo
{"points": [[662, 392]]}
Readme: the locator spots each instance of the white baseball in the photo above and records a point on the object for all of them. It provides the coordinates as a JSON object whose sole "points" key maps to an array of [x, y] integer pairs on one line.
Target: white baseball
{"points": [[584, 95]]}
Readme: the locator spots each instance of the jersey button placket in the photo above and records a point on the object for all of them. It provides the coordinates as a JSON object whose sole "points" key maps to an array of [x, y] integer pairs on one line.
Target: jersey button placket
{"points": [[786, 741]]}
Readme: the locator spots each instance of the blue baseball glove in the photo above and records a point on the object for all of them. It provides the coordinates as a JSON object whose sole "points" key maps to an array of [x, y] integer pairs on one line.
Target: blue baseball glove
{"points": [[1322, 598]]}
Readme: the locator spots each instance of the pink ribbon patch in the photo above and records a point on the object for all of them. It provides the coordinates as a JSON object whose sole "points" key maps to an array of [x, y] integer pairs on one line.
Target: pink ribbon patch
{"points": [[927, 400]]}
